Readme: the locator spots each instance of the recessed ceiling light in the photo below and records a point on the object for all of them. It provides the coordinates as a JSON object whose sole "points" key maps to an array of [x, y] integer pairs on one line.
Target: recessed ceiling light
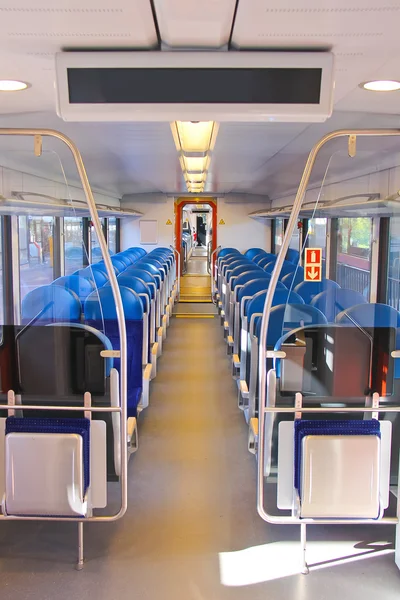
{"points": [[10, 85], [385, 85]]}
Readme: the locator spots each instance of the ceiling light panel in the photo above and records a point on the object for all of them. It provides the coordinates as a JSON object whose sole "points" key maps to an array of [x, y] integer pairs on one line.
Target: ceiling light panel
{"points": [[11, 85], [383, 85], [195, 164], [195, 136]]}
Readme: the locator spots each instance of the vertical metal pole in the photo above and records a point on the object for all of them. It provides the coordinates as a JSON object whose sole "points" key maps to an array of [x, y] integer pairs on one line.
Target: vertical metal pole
{"points": [[79, 564], [303, 538]]}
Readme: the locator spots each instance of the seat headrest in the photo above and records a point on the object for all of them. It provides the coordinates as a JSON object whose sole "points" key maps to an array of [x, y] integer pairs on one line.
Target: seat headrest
{"points": [[308, 289], [81, 286], [101, 305], [51, 303], [333, 301], [370, 315]]}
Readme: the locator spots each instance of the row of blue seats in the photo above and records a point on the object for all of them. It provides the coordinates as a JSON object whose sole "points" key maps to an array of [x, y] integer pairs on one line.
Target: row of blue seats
{"points": [[242, 286], [146, 282]]}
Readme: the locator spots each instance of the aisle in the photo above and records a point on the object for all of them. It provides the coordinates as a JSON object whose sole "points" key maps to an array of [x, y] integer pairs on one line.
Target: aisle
{"points": [[192, 531]]}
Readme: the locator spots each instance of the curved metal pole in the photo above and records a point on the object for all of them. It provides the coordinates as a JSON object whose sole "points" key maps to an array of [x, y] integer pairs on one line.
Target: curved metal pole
{"points": [[212, 273], [115, 290], [270, 294], [179, 271]]}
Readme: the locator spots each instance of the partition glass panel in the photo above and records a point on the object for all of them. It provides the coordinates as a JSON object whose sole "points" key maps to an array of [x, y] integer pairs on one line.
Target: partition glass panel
{"points": [[112, 235], [74, 255], [96, 252], [353, 260], [279, 233], [36, 252]]}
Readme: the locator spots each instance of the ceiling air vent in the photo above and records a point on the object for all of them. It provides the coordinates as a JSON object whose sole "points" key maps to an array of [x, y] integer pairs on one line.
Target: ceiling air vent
{"points": [[195, 86]]}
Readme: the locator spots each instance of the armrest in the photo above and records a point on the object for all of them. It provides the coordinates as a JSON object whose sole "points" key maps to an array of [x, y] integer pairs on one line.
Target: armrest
{"points": [[244, 390], [236, 361], [230, 341], [146, 386]]}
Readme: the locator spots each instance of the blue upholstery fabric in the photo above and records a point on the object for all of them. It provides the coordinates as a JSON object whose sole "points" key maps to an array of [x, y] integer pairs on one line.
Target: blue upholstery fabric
{"points": [[249, 275], [100, 305], [236, 263], [256, 304], [285, 317], [150, 269], [240, 269], [124, 258], [266, 260], [293, 256], [256, 285], [303, 428], [252, 252], [81, 286], [143, 276], [308, 289], [370, 315], [45, 425], [97, 276], [135, 284], [154, 265], [119, 265], [333, 301], [224, 251], [294, 278], [49, 304], [256, 259], [285, 269]]}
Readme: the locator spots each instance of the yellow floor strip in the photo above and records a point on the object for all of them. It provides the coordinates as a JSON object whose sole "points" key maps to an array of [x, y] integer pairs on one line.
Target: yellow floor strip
{"points": [[194, 316]]}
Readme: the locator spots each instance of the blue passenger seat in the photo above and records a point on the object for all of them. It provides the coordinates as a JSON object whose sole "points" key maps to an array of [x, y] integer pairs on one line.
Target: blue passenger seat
{"points": [[81, 286], [309, 289], [100, 306], [50, 304], [333, 301]]}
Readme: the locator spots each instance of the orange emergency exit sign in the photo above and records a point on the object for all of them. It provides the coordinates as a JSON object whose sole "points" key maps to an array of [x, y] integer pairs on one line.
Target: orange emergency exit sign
{"points": [[313, 264]]}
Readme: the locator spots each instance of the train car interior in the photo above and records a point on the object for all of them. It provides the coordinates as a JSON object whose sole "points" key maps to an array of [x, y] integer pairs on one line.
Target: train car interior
{"points": [[199, 299]]}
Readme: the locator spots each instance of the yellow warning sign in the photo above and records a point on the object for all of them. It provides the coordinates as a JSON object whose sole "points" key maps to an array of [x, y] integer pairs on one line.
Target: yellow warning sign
{"points": [[221, 222], [169, 222]]}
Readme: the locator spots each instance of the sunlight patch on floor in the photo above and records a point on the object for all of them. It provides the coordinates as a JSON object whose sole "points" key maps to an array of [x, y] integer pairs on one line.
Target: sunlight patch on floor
{"points": [[268, 562]]}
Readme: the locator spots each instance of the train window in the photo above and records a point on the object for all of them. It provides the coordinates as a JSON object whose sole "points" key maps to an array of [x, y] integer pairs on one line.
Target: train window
{"points": [[317, 238], [393, 287], [279, 234], [35, 252], [112, 235], [74, 258], [96, 252], [353, 260], [295, 239]]}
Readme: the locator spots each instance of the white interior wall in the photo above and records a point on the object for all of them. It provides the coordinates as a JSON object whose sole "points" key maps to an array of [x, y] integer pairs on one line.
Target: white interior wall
{"points": [[158, 208], [241, 231]]}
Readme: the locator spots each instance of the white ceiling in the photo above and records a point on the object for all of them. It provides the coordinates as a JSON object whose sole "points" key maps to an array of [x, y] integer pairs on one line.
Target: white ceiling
{"points": [[141, 158]]}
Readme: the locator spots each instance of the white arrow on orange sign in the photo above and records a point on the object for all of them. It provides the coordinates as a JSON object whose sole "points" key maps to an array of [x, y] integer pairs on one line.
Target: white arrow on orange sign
{"points": [[313, 274]]}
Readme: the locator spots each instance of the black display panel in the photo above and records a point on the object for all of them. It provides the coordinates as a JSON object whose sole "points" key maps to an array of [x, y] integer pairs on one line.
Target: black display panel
{"points": [[194, 86]]}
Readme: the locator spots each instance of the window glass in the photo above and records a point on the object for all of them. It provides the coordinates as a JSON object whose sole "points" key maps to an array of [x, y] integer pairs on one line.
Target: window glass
{"points": [[112, 235], [393, 288], [96, 252], [74, 254], [317, 238], [279, 233], [353, 263], [35, 252]]}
